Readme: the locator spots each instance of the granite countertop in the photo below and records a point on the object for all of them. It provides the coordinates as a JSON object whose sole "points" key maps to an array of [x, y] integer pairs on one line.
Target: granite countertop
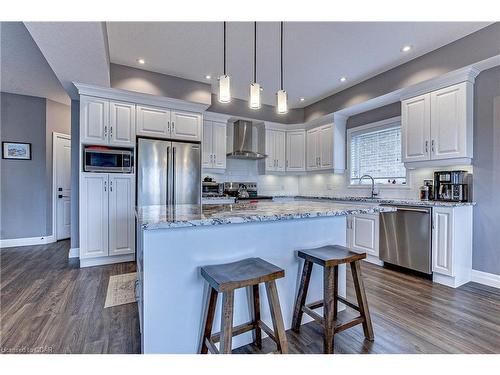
{"points": [[192, 215], [394, 201]]}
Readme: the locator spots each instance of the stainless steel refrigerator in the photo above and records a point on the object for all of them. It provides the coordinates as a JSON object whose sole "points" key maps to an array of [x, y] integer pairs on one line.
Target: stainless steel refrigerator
{"points": [[168, 172]]}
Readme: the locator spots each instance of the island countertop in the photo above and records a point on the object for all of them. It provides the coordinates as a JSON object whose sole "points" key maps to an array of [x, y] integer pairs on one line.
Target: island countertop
{"points": [[192, 215]]}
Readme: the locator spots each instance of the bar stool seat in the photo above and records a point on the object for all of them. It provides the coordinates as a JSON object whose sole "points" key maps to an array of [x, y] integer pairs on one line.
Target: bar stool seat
{"points": [[330, 257], [225, 279]]}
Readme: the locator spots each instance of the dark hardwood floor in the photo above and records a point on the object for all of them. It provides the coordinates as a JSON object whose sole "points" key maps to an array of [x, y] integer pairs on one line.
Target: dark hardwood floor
{"points": [[50, 304]]}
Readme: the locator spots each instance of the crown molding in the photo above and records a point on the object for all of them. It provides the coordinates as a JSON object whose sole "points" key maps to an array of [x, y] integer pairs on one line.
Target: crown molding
{"points": [[215, 116], [138, 97]]}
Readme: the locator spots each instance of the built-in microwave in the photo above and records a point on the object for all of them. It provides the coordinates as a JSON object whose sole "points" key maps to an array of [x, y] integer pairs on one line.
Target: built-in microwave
{"points": [[106, 159]]}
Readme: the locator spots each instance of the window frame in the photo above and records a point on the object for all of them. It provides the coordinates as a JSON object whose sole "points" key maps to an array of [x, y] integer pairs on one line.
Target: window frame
{"points": [[368, 128]]}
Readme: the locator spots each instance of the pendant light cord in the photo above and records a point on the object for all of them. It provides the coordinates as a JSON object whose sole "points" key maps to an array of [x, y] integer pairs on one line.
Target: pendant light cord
{"points": [[224, 47], [255, 52], [281, 55]]}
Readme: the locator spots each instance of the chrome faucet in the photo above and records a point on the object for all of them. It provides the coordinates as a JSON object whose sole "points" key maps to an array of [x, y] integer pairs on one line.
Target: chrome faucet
{"points": [[373, 184]]}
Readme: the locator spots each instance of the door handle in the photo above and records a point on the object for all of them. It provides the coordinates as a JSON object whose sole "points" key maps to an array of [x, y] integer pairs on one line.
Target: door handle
{"points": [[63, 196]]}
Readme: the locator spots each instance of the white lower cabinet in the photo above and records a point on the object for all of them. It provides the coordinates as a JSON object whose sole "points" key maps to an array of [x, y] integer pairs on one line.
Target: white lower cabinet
{"points": [[363, 233], [106, 217], [452, 245]]}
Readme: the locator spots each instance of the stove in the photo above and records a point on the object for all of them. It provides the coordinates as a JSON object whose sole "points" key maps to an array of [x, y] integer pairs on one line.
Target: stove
{"points": [[244, 191]]}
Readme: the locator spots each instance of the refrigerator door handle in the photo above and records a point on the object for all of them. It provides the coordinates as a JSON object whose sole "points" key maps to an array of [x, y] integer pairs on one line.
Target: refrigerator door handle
{"points": [[173, 175], [168, 177]]}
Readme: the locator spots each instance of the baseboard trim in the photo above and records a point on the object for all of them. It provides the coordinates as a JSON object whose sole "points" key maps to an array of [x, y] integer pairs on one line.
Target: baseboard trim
{"points": [[486, 278], [74, 252], [91, 262], [29, 241]]}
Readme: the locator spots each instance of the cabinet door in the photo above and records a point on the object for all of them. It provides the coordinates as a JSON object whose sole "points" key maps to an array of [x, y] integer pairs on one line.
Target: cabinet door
{"points": [[270, 152], [416, 128], [442, 231], [94, 120], [153, 122], [219, 145], [121, 214], [326, 147], [279, 150], [206, 145], [94, 215], [296, 151], [364, 235], [186, 126], [312, 149], [122, 124], [449, 122]]}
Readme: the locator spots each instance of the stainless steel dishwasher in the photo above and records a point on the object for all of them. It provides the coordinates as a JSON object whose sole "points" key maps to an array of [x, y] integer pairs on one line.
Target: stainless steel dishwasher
{"points": [[405, 237]]}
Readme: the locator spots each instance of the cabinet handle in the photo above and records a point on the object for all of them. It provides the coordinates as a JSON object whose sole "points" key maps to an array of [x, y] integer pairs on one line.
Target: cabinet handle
{"points": [[214, 157], [110, 185], [111, 131], [168, 126], [426, 147], [173, 126], [286, 164], [105, 185], [105, 131], [432, 146]]}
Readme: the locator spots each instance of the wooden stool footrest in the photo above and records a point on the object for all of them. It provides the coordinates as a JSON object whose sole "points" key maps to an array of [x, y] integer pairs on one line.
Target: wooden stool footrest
{"points": [[238, 330], [349, 324], [318, 304], [267, 330], [211, 346], [313, 314]]}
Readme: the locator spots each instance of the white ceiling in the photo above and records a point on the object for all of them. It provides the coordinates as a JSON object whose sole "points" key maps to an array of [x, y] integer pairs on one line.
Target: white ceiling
{"points": [[316, 54], [24, 70]]}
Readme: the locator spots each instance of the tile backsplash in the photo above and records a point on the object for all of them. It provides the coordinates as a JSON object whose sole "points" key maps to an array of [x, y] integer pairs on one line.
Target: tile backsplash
{"points": [[321, 184]]}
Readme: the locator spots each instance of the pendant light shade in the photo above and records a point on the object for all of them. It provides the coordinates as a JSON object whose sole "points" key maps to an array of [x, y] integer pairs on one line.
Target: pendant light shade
{"points": [[281, 95], [224, 80], [254, 101]]}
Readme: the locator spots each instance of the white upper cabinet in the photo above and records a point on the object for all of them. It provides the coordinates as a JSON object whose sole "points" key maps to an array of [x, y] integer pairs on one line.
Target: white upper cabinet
{"points": [[122, 123], [275, 151], [438, 126], [416, 128], [153, 122], [214, 145], [320, 148], [296, 151], [121, 214], [449, 122], [94, 120], [185, 126]]}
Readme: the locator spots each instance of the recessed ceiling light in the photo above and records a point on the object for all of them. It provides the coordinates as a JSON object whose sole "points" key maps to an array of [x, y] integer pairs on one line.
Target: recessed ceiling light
{"points": [[302, 99], [406, 48], [343, 79], [141, 61], [208, 76]]}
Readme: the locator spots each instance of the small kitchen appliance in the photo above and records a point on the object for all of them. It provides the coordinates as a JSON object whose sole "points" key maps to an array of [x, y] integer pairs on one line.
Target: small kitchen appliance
{"points": [[243, 191], [452, 186], [107, 160], [212, 189]]}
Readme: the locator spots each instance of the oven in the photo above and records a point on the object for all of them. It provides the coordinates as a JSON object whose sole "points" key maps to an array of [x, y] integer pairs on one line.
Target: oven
{"points": [[106, 159]]}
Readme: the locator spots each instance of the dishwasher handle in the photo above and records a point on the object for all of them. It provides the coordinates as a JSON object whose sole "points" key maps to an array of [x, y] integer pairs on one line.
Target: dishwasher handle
{"points": [[422, 210]]}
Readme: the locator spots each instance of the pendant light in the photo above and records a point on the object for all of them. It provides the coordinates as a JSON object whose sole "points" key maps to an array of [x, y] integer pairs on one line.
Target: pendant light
{"points": [[254, 86], [281, 95], [224, 80]]}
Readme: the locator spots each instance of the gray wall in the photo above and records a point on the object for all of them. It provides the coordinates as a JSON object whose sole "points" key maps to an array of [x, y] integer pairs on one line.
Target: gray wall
{"points": [[487, 171], [23, 182], [468, 50], [133, 79], [377, 114]]}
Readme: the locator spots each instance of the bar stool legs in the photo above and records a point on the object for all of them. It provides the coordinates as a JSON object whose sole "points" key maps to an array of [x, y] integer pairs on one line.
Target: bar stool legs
{"points": [[301, 297], [329, 308], [277, 317], [362, 302]]}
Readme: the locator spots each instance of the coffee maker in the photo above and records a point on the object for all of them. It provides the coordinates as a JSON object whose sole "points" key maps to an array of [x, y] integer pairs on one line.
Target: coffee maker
{"points": [[452, 186]]}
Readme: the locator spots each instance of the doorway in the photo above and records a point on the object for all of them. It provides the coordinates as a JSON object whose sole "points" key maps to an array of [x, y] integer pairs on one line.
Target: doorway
{"points": [[61, 185]]}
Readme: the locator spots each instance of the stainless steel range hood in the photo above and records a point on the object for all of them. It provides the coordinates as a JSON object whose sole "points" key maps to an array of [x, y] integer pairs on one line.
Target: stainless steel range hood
{"points": [[243, 142]]}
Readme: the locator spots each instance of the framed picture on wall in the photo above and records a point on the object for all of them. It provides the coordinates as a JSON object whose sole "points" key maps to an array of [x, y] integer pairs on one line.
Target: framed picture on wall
{"points": [[16, 150]]}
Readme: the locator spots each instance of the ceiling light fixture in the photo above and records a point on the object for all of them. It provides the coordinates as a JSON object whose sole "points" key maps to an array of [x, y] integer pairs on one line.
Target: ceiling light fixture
{"points": [[302, 99], [141, 61], [208, 76], [224, 80], [281, 95], [254, 86], [406, 48], [343, 79]]}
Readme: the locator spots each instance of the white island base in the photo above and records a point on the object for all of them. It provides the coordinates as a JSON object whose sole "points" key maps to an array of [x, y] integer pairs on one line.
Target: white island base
{"points": [[172, 293]]}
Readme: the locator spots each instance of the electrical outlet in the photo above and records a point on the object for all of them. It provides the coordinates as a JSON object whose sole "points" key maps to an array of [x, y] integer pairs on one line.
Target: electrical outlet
{"points": [[329, 187]]}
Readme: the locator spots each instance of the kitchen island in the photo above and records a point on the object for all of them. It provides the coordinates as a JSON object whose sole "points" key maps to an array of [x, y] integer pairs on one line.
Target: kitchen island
{"points": [[174, 241]]}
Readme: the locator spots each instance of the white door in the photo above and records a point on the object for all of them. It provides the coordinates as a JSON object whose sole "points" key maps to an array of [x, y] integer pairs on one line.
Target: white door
{"points": [[122, 124], [449, 122], [62, 189], [93, 215], [219, 145], [312, 149], [186, 126], [206, 145], [442, 228], [416, 128], [121, 214], [94, 120], [153, 122], [364, 236], [270, 152], [326, 147], [279, 149], [296, 150]]}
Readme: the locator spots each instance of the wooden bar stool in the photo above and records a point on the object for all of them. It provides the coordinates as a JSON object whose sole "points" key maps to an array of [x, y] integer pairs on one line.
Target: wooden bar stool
{"points": [[330, 257], [225, 278]]}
